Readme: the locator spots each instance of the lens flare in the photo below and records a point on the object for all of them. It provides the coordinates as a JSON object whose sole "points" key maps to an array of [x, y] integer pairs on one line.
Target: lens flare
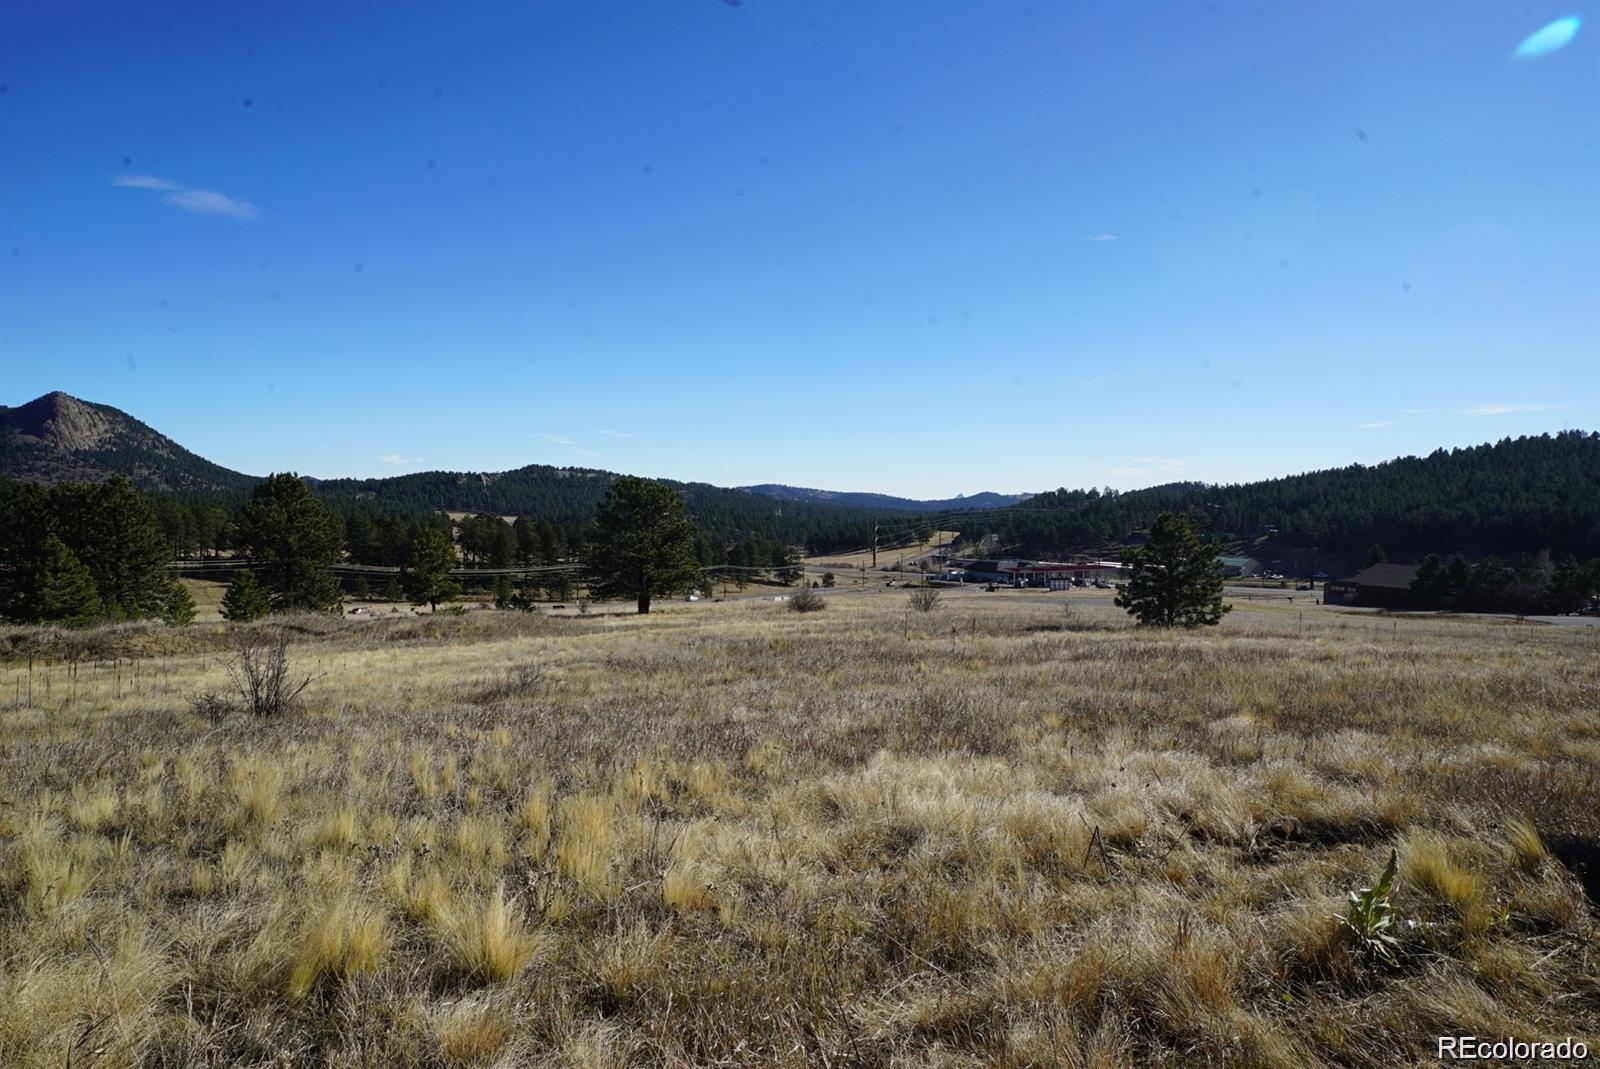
{"points": [[1548, 39]]}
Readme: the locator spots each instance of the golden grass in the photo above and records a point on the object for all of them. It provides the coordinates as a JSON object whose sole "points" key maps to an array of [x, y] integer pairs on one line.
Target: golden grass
{"points": [[347, 939], [728, 834], [487, 939]]}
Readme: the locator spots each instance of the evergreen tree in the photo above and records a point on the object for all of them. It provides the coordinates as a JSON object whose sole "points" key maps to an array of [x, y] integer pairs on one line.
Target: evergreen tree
{"points": [[432, 557], [504, 592], [361, 589], [179, 610], [25, 522], [298, 539], [65, 591], [1428, 585], [642, 543], [1571, 586], [244, 600], [111, 528], [392, 590], [1489, 587], [1453, 587], [1376, 555], [1174, 578], [527, 538]]}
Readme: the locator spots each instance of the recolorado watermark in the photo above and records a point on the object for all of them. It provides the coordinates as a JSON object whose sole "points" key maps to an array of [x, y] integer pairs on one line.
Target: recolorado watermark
{"points": [[1479, 1049]]}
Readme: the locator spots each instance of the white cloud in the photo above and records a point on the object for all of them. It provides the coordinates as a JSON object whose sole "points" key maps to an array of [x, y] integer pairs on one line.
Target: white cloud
{"points": [[398, 460], [206, 202], [556, 439], [198, 201], [1502, 409], [1100, 237], [582, 452], [1375, 424], [144, 181]]}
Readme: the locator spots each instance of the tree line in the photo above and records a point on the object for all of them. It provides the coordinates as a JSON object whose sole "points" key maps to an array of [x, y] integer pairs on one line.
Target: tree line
{"points": [[1532, 584], [1530, 494], [76, 554]]}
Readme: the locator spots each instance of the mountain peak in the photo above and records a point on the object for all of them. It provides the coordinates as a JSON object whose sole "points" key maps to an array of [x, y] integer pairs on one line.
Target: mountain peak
{"points": [[66, 423], [61, 438]]}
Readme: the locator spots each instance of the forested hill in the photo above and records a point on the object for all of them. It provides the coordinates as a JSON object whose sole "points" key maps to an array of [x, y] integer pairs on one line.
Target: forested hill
{"points": [[566, 496], [1512, 496], [853, 499], [58, 439]]}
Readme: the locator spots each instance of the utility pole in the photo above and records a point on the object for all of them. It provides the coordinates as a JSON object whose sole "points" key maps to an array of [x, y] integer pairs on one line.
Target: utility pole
{"points": [[874, 547]]}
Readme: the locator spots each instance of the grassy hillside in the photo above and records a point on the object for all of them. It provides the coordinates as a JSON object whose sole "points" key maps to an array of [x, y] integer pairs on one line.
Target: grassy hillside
{"points": [[729, 834]]}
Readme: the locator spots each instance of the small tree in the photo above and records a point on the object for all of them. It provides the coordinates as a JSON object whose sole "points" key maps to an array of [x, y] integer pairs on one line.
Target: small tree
{"points": [[179, 610], [244, 600], [1376, 555], [504, 592], [827, 578], [432, 557], [392, 590], [361, 589], [1174, 579], [924, 599], [66, 591], [298, 540], [642, 543]]}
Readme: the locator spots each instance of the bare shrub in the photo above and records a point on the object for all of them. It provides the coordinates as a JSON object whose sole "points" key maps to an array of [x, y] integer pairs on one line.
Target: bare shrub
{"points": [[807, 600], [259, 671], [210, 707], [518, 681], [924, 599]]}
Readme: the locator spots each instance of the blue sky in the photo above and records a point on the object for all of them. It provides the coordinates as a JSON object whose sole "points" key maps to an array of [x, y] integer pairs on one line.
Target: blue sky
{"points": [[923, 248]]}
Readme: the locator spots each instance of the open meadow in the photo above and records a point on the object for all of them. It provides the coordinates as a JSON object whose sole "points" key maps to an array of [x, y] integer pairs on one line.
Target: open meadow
{"points": [[1000, 834]]}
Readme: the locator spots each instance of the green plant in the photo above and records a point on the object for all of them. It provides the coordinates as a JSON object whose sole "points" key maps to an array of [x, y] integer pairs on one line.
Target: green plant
{"points": [[1371, 914]]}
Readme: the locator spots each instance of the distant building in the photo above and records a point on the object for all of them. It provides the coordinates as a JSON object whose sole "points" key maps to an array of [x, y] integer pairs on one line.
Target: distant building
{"points": [[990, 571], [1381, 586], [1234, 567], [1052, 574]]}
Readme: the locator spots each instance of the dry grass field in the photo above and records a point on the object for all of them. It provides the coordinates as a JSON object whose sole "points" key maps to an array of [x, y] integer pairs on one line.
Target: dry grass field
{"points": [[995, 834], [888, 556]]}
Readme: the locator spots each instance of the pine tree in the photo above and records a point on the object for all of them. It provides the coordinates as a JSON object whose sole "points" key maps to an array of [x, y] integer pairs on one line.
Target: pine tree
{"points": [[65, 590], [432, 557], [504, 592], [1174, 578], [1376, 555], [179, 610], [111, 528], [642, 543], [245, 600], [1428, 586], [392, 590], [298, 539]]}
